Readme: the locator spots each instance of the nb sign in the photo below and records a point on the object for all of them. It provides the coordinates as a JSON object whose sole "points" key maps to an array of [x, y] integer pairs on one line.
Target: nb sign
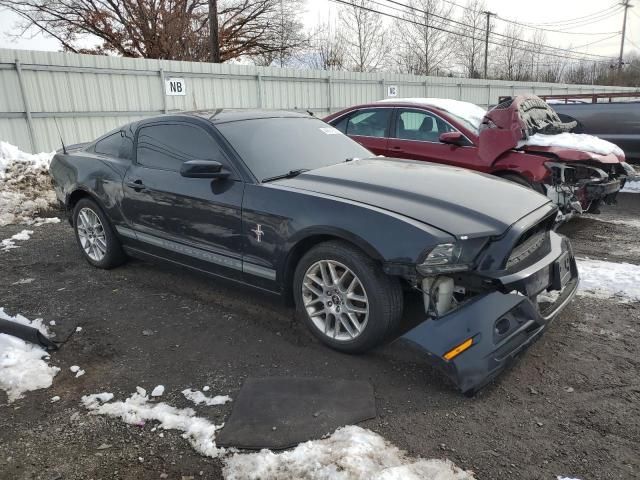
{"points": [[175, 86]]}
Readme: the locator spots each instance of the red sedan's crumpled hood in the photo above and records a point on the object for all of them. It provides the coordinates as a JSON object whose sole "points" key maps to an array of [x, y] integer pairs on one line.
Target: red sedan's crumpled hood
{"points": [[570, 155], [507, 125]]}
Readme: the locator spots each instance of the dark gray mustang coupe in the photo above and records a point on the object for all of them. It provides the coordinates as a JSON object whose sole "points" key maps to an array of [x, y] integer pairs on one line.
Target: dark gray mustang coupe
{"points": [[286, 203]]}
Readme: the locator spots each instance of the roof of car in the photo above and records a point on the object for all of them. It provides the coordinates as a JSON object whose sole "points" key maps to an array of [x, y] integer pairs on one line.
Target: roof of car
{"points": [[224, 115]]}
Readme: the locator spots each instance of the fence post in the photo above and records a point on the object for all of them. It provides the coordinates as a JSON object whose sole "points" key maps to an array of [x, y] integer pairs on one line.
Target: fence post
{"points": [[329, 94], [259, 87], [488, 95], [426, 88], [162, 92], [459, 91], [384, 92], [27, 108]]}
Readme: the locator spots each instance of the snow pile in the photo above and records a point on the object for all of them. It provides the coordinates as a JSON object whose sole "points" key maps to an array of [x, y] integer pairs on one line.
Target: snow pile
{"points": [[631, 187], [136, 410], [602, 279], [349, 453], [470, 112], [197, 397], [22, 368], [25, 184], [9, 243], [575, 141]]}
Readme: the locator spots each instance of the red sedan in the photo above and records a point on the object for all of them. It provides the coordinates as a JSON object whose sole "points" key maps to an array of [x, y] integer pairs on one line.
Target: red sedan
{"points": [[521, 140]]}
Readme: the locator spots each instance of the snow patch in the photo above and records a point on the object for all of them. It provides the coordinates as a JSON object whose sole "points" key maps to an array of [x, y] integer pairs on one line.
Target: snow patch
{"points": [[631, 187], [602, 279], [25, 184], [10, 243], [470, 112], [22, 368], [158, 391], [197, 397], [575, 141], [349, 453], [136, 410]]}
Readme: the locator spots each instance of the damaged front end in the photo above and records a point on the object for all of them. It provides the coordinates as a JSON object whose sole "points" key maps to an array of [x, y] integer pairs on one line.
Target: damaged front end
{"points": [[579, 187], [478, 319], [578, 173]]}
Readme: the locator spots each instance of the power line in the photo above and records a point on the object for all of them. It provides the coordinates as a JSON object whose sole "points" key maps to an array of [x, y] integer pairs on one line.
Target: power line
{"points": [[537, 26], [533, 44], [493, 42]]}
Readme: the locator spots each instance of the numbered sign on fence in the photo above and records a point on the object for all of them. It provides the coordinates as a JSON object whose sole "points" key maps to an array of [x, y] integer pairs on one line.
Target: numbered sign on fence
{"points": [[175, 86], [392, 90]]}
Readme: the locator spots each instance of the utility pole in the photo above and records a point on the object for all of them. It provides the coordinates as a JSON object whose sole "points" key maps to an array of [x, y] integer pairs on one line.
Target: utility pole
{"points": [[214, 42], [626, 6], [486, 40]]}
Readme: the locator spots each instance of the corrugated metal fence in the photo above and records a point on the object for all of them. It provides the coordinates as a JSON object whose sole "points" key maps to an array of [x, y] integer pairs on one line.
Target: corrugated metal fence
{"points": [[88, 95]]}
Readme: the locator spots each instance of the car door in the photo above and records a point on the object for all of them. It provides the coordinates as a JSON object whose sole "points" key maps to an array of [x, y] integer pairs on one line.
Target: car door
{"points": [[369, 127], [416, 136], [195, 221]]}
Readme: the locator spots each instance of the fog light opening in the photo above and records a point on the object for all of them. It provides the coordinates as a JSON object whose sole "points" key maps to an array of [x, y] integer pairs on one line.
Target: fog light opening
{"points": [[502, 326]]}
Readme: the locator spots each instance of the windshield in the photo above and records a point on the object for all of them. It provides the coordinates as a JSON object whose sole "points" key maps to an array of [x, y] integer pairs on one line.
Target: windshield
{"points": [[276, 146]]}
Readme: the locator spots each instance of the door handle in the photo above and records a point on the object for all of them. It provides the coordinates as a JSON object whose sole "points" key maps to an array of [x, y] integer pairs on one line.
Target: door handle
{"points": [[136, 185], [397, 149]]}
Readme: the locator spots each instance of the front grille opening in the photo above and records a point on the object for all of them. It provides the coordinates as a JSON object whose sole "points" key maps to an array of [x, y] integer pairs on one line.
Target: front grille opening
{"points": [[532, 244]]}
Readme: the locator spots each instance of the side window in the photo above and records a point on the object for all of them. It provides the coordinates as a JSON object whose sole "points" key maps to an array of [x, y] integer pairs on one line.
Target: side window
{"points": [[420, 125], [115, 145], [371, 122], [168, 146], [342, 123]]}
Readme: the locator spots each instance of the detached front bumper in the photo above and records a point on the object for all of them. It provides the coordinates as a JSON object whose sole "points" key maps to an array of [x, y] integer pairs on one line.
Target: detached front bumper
{"points": [[501, 325]]}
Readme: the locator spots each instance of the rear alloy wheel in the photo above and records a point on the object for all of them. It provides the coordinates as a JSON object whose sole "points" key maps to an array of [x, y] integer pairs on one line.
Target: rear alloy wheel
{"points": [[99, 244], [345, 298]]}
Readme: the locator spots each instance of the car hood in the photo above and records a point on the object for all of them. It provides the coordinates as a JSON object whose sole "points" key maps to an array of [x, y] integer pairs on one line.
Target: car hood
{"points": [[455, 200], [508, 126]]}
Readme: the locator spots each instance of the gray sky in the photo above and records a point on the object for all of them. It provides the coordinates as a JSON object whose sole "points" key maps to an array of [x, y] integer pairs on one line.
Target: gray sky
{"points": [[529, 12]]}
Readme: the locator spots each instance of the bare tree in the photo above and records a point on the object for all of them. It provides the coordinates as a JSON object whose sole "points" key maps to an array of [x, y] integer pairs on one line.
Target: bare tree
{"points": [[423, 47], [365, 35], [166, 29], [326, 49], [511, 60], [470, 45], [289, 36]]}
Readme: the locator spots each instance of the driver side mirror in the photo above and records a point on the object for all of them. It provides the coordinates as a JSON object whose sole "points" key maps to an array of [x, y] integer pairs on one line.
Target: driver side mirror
{"points": [[451, 138], [203, 169]]}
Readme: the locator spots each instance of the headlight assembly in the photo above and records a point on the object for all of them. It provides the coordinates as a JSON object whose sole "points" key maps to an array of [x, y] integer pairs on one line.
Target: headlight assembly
{"points": [[451, 257]]}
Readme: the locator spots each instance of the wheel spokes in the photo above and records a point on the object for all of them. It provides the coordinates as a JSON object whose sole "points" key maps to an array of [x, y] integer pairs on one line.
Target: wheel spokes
{"points": [[335, 300]]}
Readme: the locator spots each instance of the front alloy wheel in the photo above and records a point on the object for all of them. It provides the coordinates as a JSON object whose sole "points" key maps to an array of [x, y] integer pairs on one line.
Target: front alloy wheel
{"points": [[335, 300], [345, 298]]}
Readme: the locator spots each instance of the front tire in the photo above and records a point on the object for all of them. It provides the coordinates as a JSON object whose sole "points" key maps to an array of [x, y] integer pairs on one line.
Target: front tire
{"points": [[345, 298], [95, 236]]}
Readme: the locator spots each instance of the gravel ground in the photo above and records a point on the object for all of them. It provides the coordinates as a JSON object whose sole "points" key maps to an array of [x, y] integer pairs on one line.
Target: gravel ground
{"points": [[570, 406]]}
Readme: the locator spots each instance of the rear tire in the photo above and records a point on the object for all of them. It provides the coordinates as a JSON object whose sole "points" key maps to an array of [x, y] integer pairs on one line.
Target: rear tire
{"points": [[95, 236], [345, 298]]}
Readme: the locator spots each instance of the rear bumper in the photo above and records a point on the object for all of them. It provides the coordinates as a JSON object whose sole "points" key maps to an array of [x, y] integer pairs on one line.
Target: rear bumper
{"points": [[501, 325]]}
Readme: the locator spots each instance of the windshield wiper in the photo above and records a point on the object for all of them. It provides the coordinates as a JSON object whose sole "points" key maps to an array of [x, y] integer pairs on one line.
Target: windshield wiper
{"points": [[290, 174]]}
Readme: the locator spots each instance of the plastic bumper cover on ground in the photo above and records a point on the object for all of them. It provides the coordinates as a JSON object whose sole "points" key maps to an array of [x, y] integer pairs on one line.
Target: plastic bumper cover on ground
{"points": [[501, 325]]}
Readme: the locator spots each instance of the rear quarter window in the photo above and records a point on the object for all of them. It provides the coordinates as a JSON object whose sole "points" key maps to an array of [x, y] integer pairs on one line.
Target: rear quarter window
{"points": [[116, 145]]}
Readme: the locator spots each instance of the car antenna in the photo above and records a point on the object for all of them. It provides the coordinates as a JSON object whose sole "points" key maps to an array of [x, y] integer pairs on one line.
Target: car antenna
{"points": [[311, 113], [64, 149]]}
